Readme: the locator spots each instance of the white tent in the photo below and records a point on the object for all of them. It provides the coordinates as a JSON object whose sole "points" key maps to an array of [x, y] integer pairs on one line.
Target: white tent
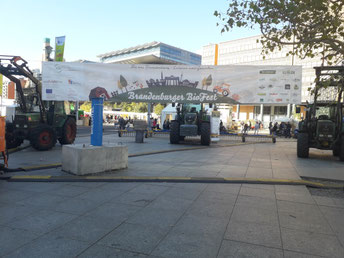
{"points": [[168, 112]]}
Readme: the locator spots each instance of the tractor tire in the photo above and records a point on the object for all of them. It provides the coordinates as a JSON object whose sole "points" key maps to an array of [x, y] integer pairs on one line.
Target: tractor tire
{"points": [[341, 153], [11, 140], [68, 132], [336, 150], [302, 145], [205, 134], [43, 137], [225, 93], [174, 132], [181, 138]]}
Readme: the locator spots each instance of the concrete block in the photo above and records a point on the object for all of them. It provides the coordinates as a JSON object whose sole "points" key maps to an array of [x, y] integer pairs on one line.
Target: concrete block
{"points": [[82, 160]]}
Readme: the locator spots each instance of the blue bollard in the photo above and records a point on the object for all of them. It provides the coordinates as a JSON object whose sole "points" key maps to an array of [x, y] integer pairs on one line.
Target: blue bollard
{"points": [[97, 122]]}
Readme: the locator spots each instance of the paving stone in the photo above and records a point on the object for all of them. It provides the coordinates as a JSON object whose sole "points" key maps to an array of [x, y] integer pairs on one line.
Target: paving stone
{"points": [[137, 238], [43, 221], [238, 249], [115, 211], [99, 251], [256, 202], [99, 195], [255, 215], [192, 224], [45, 201], [50, 246], [15, 211], [290, 254], [137, 199], [10, 196], [210, 208], [69, 190], [86, 229], [254, 233], [76, 206], [295, 197], [151, 189], [11, 239], [211, 196], [268, 194], [335, 217], [156, 217], [188, 194], [187, 245], [311, 243], [168, 203], [302, 217]]}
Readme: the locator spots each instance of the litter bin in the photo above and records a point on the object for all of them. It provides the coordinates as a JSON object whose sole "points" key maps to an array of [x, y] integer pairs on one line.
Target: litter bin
{"points": [[140, 126], [139, 136]]}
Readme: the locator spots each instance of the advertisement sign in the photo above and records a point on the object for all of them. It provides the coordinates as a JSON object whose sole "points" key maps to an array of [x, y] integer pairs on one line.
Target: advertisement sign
{"points": [[172, 83], [59, 48], [1, 84]]}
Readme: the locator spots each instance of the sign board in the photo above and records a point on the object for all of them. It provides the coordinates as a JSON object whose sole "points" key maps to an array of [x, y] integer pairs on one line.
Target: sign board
{"points": [[172, 83]]}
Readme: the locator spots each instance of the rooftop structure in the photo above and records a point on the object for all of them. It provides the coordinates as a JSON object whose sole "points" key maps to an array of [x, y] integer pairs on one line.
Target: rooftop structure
{"points": [[152, 53]]}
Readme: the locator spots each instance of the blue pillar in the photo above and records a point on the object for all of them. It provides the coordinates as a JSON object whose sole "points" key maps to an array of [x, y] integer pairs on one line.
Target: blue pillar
{"points": [[97, 122]]}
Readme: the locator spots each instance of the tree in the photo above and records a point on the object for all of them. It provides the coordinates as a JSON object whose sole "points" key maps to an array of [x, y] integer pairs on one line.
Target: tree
{"points": [[310, 26], [86, 106], [158, 109]]}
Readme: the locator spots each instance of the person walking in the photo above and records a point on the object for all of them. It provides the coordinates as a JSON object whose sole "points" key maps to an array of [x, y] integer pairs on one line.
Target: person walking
{"points": [[256, 128], [270, 127]]}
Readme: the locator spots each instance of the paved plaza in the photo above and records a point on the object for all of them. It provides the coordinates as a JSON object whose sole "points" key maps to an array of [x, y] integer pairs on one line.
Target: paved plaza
{"points": [[102, 219]]}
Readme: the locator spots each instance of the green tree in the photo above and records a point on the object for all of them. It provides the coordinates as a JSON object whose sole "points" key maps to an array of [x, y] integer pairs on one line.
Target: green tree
{"points": [[158, 108], [86, 106], [310, 26]]}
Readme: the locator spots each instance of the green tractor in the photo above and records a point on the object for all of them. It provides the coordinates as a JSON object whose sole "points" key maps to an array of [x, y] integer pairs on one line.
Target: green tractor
{"points": [[40, 122], [323, 126], [191, 120]]}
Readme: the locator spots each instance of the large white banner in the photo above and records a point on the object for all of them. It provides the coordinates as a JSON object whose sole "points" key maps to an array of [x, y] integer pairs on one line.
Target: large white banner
{"points": [[172, 83]]}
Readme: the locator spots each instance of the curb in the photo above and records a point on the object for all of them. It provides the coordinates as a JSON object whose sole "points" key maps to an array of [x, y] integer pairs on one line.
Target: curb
{"points": [[219, 180]]}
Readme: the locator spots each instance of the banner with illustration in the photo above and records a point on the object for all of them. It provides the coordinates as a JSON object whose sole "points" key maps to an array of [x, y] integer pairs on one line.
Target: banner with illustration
{"points": [[59, 48], [172, 83]]}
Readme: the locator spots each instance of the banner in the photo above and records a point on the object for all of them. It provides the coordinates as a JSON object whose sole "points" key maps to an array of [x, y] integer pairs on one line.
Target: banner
{"points": [[59, 48], [172, 83], [1, 84]]}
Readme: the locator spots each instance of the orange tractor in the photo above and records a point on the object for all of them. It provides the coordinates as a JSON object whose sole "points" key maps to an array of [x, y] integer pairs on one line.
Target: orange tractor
{"points": [[223, 89]]}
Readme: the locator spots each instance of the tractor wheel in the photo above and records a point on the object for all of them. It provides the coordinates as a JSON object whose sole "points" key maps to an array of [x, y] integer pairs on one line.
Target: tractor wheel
{"points": [[302, 145], [181, 138], [225, 93], [43, 137], [341, 153], [174, 132], [336, 150], [205, 134], [68, 132], [11, 140], [215, 90]]}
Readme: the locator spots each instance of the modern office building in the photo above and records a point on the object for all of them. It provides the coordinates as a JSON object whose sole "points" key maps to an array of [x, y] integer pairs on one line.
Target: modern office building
{"points": [[152, 53], [247, 51]]}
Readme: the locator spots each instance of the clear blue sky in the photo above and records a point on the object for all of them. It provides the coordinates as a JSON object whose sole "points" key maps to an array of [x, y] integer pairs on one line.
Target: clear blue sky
{"points": [[96, 27]]}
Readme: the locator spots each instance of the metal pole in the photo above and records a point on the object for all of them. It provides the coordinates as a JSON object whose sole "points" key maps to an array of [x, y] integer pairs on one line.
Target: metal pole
{"points": [[97, 122]]}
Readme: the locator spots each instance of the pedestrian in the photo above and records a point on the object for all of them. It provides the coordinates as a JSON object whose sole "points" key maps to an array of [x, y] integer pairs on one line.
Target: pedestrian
{"points": [[256, 128], [245, 128], [274, 129], [249, 125], [288, 129], [270, 127]]}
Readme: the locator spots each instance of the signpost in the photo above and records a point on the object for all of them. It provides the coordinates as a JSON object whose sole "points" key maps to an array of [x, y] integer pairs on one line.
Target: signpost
{"points": [[97, 122]]}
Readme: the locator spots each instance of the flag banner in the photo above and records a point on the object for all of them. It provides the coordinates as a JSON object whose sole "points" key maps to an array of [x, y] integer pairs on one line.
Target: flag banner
{"points": [[172, 83], [1, 84], [59, 48]]}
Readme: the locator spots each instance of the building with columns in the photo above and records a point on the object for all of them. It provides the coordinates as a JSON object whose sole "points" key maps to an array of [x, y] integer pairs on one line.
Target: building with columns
{"points": [[247, 51]]}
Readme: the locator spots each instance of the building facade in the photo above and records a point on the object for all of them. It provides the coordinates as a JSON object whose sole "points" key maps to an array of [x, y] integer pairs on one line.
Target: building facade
{"points": [[152, 53], [248, 51]]}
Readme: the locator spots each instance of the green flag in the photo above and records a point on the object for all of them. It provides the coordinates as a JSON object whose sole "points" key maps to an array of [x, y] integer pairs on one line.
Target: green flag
{"points": [[59, 48]]}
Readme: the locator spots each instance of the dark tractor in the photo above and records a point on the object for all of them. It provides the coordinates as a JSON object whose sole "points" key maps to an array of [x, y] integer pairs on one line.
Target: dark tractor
{"points": [[40, 122], [323, 127], [191, 120]]}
